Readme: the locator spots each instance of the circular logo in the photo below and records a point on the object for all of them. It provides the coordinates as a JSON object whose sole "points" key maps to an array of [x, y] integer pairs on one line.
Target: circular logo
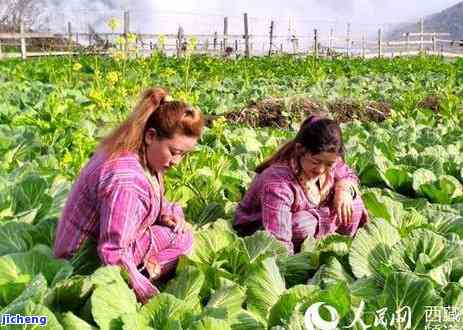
{"points": [[313, 320]]}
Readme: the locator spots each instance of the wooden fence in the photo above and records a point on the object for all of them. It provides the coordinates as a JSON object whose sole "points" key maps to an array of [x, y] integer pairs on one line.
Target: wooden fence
{"points": [[225, 44]]}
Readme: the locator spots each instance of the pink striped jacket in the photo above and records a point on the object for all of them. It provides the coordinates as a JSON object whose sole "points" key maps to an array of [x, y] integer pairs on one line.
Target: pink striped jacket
{"points": [[275, 195], [113, 203]]}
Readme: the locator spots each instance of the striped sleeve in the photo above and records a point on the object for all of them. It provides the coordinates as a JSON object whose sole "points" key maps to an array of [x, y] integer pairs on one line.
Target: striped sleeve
{"points": [[171, 209], [276, 201], [122, 210], [344, 173], [168, 208]]}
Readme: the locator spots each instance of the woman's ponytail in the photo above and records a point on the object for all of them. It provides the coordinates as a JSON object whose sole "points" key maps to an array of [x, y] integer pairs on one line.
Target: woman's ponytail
{"points": [[153, 110], [157, 96], [129, 135], [149, 102]]}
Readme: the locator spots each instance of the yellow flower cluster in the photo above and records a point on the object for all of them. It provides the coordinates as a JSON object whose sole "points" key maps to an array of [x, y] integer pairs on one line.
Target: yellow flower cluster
{"points": [[192, 44], [117, 54], [120, 40], [168, 73], [162, 41], [125, 47], [186, 97], [131, 38], [67, 159], [122, 92], [76, 67], [112, 78], [95, 95], [113, 23]]}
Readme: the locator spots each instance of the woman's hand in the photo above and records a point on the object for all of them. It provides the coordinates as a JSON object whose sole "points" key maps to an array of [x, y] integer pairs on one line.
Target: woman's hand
{"points": [[343, 203], [153, 268], [178, 224]]}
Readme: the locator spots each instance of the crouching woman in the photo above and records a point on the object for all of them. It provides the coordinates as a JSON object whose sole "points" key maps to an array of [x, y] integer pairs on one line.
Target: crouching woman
{"points": [[304, 190], [118, 199]]}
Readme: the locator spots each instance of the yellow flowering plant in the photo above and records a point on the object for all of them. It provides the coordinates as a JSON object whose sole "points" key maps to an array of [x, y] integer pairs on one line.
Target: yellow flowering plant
{"points": [[77, 66], [113, 23], [112, 78]]}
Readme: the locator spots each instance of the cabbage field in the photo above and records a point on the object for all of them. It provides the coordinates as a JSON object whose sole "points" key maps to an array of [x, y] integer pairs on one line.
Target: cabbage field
{"points": [[402, 121]]}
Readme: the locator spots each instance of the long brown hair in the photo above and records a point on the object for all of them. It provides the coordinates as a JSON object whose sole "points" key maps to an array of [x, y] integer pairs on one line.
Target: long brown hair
{"points": [[316, 135], [153, 111]]}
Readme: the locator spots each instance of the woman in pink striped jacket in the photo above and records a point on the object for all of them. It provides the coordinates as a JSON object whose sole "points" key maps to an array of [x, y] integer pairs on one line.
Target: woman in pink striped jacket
{"points": [[118, 199], [304, 190]]}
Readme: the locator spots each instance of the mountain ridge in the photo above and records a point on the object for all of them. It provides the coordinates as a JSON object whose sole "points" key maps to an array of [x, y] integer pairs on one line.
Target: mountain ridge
{"points": [[449, 20]]}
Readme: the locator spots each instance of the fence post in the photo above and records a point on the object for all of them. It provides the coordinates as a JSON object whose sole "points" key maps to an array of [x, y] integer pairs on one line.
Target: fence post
{"points": [[246, 35], [106, 39], [315, 40], [379, 43], [225, 33], [330, 42], [23, 40], [215, 42], [421, 34], [348, 39], [180, 36], [69, 35], [295, 44], [434, 43], [364, 41], [70, 31], [89, 35], [126, 30], [407, 44], [236, 46], [271, 38]]}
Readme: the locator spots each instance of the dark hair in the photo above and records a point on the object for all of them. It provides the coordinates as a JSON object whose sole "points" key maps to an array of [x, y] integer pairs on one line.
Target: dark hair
{"points": [[316, 135]]}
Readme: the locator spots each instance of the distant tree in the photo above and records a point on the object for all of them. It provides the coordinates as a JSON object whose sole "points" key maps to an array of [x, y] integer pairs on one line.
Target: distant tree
{"points": [[13, 11]]}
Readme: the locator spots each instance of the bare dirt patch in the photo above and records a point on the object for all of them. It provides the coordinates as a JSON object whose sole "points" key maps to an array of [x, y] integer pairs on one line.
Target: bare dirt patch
{"points": [[431, 102], [281, 112]]}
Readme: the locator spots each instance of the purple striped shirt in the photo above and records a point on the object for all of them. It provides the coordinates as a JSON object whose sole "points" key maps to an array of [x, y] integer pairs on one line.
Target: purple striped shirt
{"points": [[113, 203], [275, 195]]}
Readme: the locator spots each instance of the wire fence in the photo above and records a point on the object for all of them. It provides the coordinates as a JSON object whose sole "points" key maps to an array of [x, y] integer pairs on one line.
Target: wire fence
{"points": [[231, 36]]}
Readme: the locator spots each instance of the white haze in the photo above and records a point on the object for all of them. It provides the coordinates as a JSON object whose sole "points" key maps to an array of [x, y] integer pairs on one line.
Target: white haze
{"points": [[206, 16]]}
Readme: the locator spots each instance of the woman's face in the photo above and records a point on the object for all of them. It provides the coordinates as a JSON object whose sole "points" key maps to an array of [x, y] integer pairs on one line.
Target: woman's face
{"points": [[162, 154], [314, 165]]}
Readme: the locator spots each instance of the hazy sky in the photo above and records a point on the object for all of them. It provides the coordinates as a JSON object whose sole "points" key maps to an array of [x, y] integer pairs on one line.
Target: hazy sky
{"points": [[206, 16], [355, 10]]}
